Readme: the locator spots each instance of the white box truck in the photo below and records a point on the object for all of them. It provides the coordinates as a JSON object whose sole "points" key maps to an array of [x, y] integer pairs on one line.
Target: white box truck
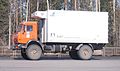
{"points": [[59, 31]]}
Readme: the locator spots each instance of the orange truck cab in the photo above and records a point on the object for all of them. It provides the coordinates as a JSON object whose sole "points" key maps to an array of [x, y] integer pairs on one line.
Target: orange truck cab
{"points": [[26, 31]]}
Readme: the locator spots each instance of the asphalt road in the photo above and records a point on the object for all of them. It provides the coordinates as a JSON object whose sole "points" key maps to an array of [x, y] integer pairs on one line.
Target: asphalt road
{"points": [[97, 63]]}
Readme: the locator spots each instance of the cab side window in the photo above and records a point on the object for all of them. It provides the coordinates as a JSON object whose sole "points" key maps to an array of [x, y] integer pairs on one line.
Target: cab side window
{"points": [[29, 28]]}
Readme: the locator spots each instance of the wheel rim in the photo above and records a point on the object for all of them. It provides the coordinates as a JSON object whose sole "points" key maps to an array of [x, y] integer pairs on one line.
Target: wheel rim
{"points": [[85, 52], [33, 52]]}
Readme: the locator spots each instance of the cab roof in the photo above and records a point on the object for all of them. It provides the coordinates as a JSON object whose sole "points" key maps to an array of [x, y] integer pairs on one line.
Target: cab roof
{"points": [[29, 23]]}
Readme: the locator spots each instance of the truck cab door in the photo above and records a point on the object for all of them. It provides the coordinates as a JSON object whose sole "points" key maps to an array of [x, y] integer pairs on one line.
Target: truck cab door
{"points": [[26, 34], [22, 35]]}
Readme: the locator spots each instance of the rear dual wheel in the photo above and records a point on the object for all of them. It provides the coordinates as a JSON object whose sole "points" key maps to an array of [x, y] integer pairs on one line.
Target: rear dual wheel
{"points": [[85, 53]]}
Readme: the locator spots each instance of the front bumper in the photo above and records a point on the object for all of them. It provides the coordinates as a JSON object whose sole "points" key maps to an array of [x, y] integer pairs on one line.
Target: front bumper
{"points": [[18, 46]]}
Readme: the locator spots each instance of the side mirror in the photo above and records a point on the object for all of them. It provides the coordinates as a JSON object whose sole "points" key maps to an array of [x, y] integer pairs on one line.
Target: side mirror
{"points": [[22, 31]]}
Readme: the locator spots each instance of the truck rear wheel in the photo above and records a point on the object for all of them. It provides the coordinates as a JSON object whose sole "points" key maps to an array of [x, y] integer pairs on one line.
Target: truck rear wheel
{"points": [[73, 54], [34, 52], [85, 52], [23, 53]]}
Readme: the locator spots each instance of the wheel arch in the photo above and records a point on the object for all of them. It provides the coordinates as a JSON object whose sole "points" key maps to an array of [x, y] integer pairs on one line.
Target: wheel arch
{"points": [[80, 45], [34, 42]]}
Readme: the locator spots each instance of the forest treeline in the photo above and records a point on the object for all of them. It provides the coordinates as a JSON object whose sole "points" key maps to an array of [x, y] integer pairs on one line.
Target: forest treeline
{"points": [[17, 9]]}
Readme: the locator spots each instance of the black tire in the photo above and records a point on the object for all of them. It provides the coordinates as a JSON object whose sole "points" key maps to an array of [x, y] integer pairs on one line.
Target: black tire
{"points": [[23, 53], [85, 52], [34, 52], [73, 54]]}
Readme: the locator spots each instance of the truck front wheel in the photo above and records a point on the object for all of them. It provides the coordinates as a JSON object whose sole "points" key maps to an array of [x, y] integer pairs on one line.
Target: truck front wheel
{"points": [[85, 52], [34, 52]]}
